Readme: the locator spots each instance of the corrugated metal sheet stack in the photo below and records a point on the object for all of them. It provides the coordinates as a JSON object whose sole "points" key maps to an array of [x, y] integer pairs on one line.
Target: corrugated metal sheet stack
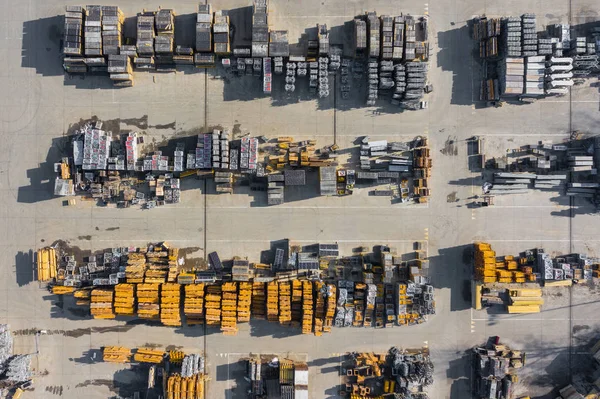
{"points": [[327, 180], [387, 37], [148, 300], [535, 68], [101, 306], [374, 26], [278, 43], [170, 297], [513, 35], [260, 29], [124, 299], [258, 300], [530, 39], [92, 32], [212, 304], [164, 42], [73, 31], [307, 307], [120, 70], [221, 33], [410, 35], [112, 24], [512, 74], [193, 305]]}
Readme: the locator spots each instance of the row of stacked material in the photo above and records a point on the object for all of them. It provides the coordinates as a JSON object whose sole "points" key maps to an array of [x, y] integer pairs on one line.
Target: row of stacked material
{"points": [[156, 265], [506, 269], [525, 300]]}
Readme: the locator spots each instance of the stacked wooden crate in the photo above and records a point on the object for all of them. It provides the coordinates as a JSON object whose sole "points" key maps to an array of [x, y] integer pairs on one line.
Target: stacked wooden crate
{"points": [[193, 306], [244, 301], [124, 299], [170, 297], [258, 300], [229, 309], [272, 301], [148, 301], [285, 303], [307, 307], [212, 305], [101, 306]]}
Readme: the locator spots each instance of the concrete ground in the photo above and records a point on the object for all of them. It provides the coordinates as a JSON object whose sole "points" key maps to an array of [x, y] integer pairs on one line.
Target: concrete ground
{"points": [[39, 105]]}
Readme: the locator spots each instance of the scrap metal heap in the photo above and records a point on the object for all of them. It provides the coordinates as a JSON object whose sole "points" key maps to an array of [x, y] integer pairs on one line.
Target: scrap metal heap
{"points": [[567, 168], [495, 366], [404, 374], [271, 376], [14, 369], [172, 374], [308, 292]]}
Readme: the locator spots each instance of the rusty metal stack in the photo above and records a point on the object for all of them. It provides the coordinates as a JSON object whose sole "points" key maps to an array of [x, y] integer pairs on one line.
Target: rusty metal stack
{"points": [[170, 297], [193, 305]]}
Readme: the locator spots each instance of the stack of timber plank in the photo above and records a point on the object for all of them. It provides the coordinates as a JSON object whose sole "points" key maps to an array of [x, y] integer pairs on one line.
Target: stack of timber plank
{"points": [[124, 304], [212, 304], [102, 303], [148, 301], [170, 297], [229, 309]]}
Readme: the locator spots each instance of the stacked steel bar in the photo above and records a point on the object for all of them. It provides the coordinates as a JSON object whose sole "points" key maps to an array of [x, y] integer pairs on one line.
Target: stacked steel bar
{"points": [[124, 299], [244, 301], [513, 36], [307, 307], [148, 301], [93, 31], [112, 23], [221, 33], [73, 31], [101, 306], [260, 29], [530, 39]]}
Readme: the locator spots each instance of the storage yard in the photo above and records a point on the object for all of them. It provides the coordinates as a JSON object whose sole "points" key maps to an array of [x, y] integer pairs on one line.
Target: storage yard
{"points": [[321, 92]]}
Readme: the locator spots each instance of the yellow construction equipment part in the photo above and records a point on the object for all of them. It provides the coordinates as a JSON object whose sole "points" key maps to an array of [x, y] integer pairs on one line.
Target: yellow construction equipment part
{"points": [[524, 309], [46, 264], [148, 355], [116, 354]]}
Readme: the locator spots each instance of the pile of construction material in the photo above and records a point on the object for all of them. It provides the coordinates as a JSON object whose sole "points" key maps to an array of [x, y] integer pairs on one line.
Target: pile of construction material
{"points": [[260, 29], [525, 300], [14, 368], [533, 266], [520, 183], [272, 376], [496, 366], [399, 373]]}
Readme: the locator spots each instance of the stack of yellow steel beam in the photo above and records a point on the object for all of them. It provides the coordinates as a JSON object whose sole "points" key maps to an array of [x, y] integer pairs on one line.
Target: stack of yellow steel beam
{"points": [[46, 264], [272, 301], [244, 301], [258, 300], [526, 300], [285, 303], [116, 354], [296, 303], [148, 300], [176, 357], [83, 296], [229, 308], [212, 304], [136, 266], [330, 307], [149, 355], [185, 387], [124, 299], [170, 297], [485, 263], [403, 302], [307, 307], [61, 290], [319, 309], [101, 303], [157, 265], [173, 265], [193, 305]]}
